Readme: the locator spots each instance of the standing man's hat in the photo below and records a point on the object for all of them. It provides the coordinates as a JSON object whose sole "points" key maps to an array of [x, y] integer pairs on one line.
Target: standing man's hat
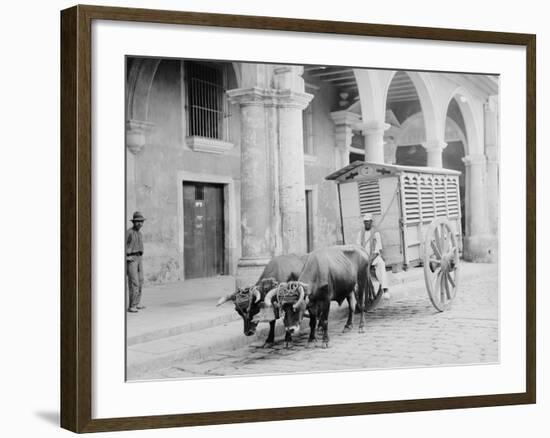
{"points": [[367, 217], [138, 217]]}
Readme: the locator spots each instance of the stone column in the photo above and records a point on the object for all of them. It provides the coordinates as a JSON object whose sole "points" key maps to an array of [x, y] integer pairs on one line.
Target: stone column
{"points": [[136, 131], [291, 172], [491, 150], [374, 139], [291, 100], [274, 180], [478, 245], [434, 149], [390, 150], [344, 121], [255, 189]]}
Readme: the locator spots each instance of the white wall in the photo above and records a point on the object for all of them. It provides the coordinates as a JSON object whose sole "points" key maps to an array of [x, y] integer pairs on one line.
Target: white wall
{"points": [[29, 248]]}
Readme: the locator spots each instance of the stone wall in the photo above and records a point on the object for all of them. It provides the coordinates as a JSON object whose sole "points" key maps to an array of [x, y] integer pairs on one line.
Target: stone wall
{"points": [[167, 159], [326, 215], [159, 166]]}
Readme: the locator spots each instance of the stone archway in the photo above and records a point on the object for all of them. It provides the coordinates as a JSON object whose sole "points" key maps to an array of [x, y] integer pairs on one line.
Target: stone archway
{"points": [[455, 151], [412, 94], [141, 73], [478, 244], [374, 87], [424, 94]]}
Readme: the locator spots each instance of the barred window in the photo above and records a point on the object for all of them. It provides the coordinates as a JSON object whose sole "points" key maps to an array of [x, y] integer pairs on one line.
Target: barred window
{"points": [[207, 108]]}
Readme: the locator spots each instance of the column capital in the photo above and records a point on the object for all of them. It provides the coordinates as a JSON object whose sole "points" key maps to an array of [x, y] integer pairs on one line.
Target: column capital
{"points": [[474, 159], [292, 99], [346, 118], [289, 77], [136, 131], [269, 97], [344, 121], [434, 145], [254, 96], [372, 127], [434, 148], [373, 131]]}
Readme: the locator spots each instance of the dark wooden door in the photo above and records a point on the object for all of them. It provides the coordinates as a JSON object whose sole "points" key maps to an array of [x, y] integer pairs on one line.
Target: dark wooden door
{"points": [[203, 230]]}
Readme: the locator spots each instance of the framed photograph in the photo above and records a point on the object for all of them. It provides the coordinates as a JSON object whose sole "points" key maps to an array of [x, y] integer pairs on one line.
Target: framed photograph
{"points": [[269, 219]]}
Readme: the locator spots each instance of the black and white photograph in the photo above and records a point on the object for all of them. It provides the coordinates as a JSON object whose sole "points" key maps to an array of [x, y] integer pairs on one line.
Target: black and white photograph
{"points": [[286, 219], [283, 219]]}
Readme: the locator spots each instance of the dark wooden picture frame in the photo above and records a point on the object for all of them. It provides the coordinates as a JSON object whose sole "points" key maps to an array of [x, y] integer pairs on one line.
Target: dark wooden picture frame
{"points": [[76, 218]]}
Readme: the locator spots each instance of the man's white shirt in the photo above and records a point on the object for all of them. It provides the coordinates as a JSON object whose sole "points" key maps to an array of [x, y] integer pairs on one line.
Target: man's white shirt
{"points": [[366, 239]]}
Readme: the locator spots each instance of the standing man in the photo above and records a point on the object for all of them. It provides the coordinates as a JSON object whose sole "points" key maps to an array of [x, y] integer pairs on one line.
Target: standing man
{"points": [[134, 267], [372, 243]]}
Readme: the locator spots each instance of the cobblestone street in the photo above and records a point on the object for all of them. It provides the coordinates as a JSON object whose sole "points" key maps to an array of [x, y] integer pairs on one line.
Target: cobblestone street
{"points": [[404, 332]]}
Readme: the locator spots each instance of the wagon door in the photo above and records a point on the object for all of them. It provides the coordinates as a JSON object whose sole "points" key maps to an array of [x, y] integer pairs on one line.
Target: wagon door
{"points": [[424, 198]]}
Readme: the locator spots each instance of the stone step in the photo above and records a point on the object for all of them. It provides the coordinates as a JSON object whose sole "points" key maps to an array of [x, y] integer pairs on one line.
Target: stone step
{"points": [[148, 356], [210, 320]]}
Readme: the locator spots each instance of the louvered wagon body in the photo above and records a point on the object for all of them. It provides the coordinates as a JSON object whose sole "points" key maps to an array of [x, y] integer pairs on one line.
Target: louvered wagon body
{"points": [[416, 210]]}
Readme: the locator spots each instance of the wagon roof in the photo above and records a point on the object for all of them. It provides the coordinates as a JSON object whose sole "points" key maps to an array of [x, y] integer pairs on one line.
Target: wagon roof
{"points": [[349, 172]]}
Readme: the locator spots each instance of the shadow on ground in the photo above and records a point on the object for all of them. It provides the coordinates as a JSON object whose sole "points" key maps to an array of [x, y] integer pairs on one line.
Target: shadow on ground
{"points": [[51, 417]]}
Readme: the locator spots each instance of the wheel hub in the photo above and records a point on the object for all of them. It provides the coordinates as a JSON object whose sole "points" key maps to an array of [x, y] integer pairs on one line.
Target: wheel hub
{"points": [[448, 263]]}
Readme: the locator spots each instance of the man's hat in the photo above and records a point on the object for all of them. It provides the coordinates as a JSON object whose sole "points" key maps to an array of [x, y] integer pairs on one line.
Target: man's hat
{"points": [[138, 217], [367, 217]]}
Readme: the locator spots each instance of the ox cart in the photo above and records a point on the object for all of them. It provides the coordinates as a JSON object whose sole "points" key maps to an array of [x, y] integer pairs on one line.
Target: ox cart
{"points": [[416, 210]]}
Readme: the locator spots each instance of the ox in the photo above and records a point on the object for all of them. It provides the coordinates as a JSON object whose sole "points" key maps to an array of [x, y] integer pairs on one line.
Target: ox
{"points": [[329, 274], [249, 301]]}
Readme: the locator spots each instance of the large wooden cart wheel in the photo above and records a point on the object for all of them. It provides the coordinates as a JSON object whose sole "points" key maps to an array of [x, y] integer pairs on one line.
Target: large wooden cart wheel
{"points": [[441, 263]]}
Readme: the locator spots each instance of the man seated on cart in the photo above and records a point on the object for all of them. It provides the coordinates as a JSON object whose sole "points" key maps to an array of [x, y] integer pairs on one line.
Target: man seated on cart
{"points": [[372, 243]]}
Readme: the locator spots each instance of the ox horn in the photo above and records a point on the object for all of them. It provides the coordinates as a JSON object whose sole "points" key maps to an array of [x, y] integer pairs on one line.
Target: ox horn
{"points": [[300, 299], [226, 298], [269, 297], [257, 295]]}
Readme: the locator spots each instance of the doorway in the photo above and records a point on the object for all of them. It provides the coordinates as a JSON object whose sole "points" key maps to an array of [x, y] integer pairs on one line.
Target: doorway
{"points": [[203, 237]]}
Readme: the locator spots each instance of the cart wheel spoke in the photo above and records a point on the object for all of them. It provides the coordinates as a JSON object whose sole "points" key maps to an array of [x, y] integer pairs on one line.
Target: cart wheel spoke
{"points": [[437, 234], [446, 283], [435, 249], [441, 263], [437, 284], [450, 278]]}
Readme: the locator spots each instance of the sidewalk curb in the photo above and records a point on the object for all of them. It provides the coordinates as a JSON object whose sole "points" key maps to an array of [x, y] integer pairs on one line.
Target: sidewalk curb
{"points": [[227, 343], [181, 329], [145, 361]]}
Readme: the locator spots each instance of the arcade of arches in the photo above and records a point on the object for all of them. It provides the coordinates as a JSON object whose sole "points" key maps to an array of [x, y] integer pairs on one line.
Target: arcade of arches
{"points": [[257, 140]]}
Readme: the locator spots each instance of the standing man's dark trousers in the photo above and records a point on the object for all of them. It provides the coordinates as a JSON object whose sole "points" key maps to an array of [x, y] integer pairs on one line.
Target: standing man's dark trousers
{"points": [[134, 269]]}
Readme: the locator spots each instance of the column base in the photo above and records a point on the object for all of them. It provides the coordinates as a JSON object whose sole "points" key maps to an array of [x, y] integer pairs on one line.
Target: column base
{"points": [[249, 270], [482, 248]]}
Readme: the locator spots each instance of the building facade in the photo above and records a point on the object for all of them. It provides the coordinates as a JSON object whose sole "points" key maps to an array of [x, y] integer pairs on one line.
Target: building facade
{"points": [[227, 161]]}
